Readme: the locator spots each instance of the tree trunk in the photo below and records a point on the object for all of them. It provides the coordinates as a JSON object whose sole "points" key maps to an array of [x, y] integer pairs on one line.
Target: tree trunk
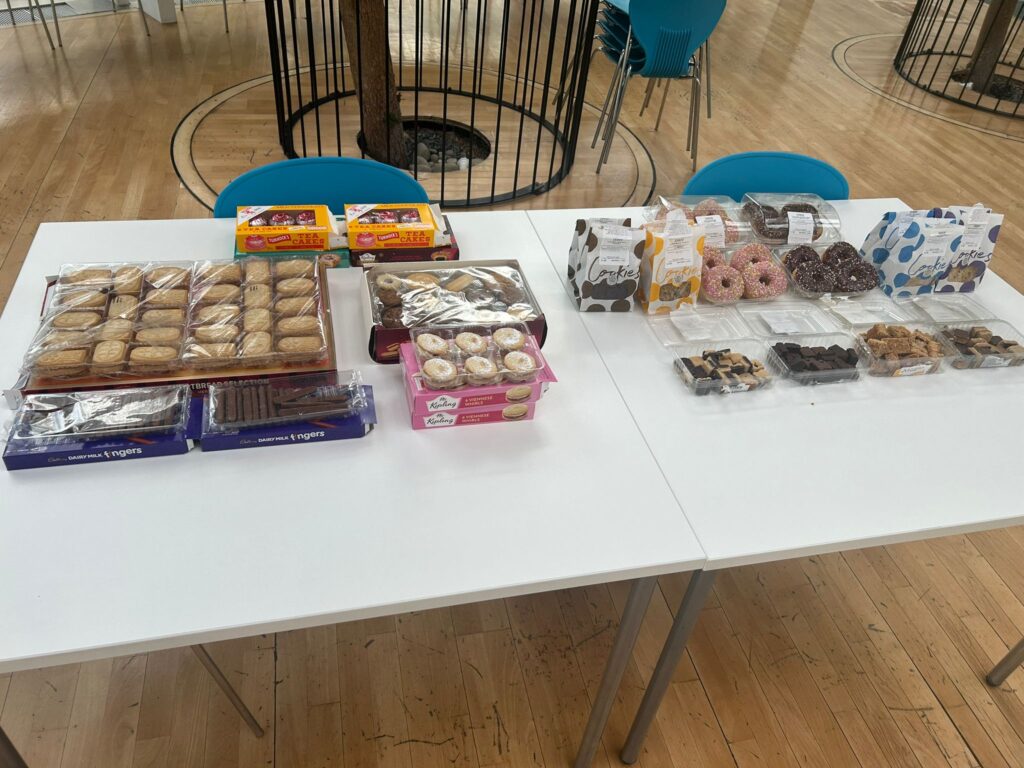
{"points": [[366, 36], [991, 39]]}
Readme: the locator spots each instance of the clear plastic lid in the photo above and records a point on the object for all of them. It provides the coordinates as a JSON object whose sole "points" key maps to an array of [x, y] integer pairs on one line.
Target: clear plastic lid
{"points": [[784, 318], [984, 344], [824, 358], [696, 324], [475, 355], [722, 367], [835, 269], [951, 307], [872, 308], [234, 405], [719, 216], [747, 272], [101, 414], [791, 219], [907, 349]]}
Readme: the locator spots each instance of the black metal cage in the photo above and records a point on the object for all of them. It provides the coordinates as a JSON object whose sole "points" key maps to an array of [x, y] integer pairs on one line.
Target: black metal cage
{"points": [[967, 51], [500, 85]]}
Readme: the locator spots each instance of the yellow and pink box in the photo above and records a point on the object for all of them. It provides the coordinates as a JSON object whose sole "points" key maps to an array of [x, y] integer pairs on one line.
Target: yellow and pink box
{"points": [[464, 404], [267, 229]]}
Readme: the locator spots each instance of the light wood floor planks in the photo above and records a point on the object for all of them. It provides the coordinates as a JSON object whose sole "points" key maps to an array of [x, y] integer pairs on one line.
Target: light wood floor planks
{"points": [[870, 658]]}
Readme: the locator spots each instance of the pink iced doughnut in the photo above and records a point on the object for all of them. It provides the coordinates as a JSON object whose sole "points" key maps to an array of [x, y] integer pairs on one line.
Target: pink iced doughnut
{"points": [[714, 257], [763, 280], [722, 285], [710, 207], [751, 253]]}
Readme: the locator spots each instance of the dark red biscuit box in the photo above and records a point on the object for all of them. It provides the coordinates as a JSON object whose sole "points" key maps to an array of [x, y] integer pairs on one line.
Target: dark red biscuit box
{"points": [[369, 257], [433, 293]]}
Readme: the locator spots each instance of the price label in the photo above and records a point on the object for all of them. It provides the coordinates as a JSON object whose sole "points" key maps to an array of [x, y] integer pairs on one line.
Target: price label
{"points": [[801, 227], [714, 230], [782, 324], [678, 250], [975, 229], [913, 370], [615, 245], [993, 361], [934, 249]]}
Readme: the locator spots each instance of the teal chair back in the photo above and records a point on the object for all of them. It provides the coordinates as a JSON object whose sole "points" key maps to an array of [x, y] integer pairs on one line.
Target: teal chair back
{"points": [[783, 172], [671, 31], [330, 181]]}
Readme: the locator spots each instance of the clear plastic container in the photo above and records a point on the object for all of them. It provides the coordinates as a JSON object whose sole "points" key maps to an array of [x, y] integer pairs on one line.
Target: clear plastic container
{"points": [[696, 324], [738, 257], [719, 215], [786, 318], [233, 405], [951, 308], [475, 355], [792, 256], [904, 363], [744, 358], [872, 308], [795, 358], [985, 344], [768, 215], [55, 417]]}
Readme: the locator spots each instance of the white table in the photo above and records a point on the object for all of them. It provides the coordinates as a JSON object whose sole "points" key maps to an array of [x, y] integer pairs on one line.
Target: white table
{"points": [[146, 555], [850, 444]]}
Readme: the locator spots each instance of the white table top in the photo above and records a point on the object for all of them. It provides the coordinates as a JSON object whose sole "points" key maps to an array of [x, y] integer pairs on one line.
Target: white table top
{"points": [[793, 470], [108, 559]]}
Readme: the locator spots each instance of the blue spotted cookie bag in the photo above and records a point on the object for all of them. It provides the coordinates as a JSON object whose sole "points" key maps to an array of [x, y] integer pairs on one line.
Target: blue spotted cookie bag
{"points": [[941, 250]]}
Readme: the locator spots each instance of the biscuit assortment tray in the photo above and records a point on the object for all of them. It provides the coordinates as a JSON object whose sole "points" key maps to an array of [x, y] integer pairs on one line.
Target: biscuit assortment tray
{"points": [[410, 298], [150, 319]]}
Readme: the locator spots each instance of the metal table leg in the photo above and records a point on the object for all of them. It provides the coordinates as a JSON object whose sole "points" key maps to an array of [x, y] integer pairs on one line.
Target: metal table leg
{"points": [[1006, 665], [686, 618], [226, 687], [9, 757], [622, 650]]}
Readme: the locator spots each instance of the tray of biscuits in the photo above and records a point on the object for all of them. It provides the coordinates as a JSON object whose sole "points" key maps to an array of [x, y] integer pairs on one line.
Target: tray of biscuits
{"points": [[156, 319]]}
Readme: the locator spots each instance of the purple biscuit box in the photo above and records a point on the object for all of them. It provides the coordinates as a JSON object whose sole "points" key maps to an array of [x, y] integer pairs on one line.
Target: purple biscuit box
{"points": [[29, 454], [352, 425]]}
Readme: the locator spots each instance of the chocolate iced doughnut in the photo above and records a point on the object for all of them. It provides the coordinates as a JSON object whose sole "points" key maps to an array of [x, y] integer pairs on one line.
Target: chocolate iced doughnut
{"points": [[815, 277], [802, 254], [856, 276], [839, 252]]}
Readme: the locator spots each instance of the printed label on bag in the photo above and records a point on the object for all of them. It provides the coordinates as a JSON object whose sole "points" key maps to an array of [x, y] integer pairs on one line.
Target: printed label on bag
{"points": [[913, 370], [678, 250], [994, 362], [975, 229], [714, 230], [801, 227], [615, 245], [903, 221], [729, 389]]}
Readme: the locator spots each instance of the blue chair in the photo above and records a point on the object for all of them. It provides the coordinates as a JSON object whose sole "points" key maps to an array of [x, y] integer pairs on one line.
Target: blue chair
{"points": [[735, 175], [330, 181], [671, 34]]}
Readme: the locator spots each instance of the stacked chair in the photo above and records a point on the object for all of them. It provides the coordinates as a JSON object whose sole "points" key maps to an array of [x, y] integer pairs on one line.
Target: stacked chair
{"points": [[659, 40]]}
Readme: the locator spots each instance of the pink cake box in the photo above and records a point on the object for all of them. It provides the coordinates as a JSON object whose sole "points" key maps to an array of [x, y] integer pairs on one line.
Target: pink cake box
{"points": [[424, 401], [465, 417]]}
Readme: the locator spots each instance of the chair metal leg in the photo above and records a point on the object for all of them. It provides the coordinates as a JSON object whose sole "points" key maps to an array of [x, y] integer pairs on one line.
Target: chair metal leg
{"points": [[613, 120], [1006, 665], [686, 618], [46, 27], [647, 95], [224, 3], [181, 5], [696, 108], [664, 98], [229, 691], [622, 651], [56, 24], [9, 757], [608, 97], [113, 5], [10, 12], [707, 75], [616, 106], [145, 21]]}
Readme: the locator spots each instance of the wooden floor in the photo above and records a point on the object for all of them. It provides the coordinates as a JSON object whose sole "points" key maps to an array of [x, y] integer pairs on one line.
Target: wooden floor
{"points": [[869, 658]]}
